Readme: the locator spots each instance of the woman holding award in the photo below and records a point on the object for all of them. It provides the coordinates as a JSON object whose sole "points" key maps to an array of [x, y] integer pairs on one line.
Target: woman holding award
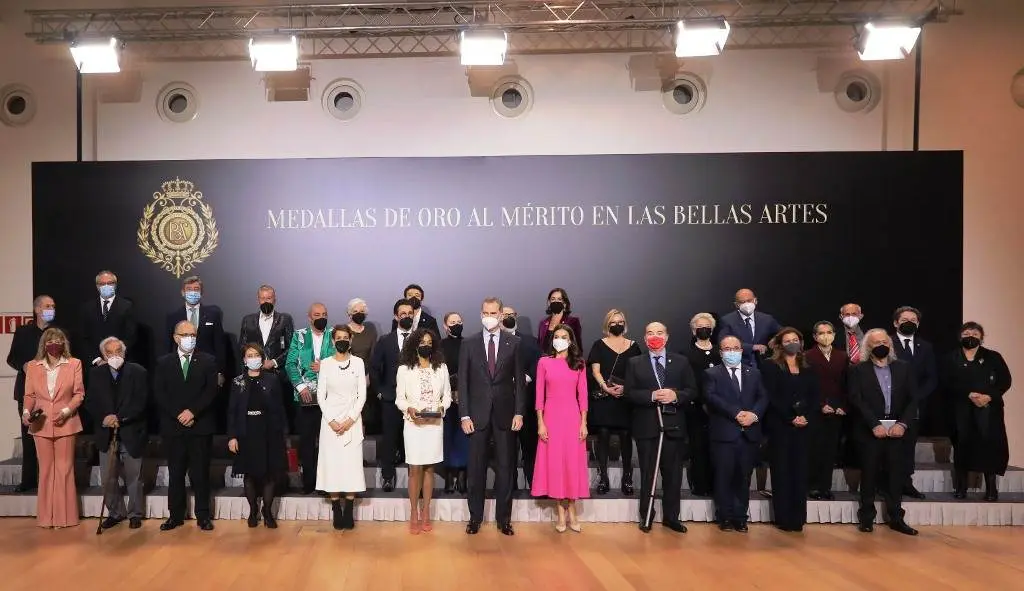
{"points": [[423, 392]]}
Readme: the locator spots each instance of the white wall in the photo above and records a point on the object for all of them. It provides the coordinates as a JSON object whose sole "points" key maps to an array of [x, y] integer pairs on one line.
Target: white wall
{"points": [[758, 101]]}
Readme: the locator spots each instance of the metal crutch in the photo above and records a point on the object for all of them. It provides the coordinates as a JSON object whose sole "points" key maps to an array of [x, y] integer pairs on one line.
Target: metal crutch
{"points": [[111, 460]]}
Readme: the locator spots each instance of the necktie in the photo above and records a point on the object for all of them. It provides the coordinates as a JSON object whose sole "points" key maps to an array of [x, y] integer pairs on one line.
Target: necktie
{"points": [[106, 308], [492, 355], [750, 328], [735, 378], [401, 344], [854, 348], [659, 368], [184, 366], [906, 346], [193, 317]]}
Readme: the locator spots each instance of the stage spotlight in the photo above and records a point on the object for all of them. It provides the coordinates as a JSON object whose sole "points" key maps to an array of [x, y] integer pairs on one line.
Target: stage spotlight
{"points": [[274, 55], [701, 38], [96, 57], [483, 47], [887, 42]]}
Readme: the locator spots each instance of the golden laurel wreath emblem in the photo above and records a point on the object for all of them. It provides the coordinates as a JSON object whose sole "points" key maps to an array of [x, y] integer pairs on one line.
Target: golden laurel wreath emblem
{"points": [[177, 230]]}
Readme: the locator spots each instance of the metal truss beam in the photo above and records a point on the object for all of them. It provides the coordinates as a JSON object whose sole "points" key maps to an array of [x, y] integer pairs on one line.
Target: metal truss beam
{"points": [[431, 28]]}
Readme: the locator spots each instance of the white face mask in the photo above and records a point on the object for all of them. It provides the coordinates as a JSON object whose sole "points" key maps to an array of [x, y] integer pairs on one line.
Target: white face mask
{"points": [[851, 321], [748, 308], [489, 322], [253, 363], [115, 362], [187, 344], [560, 344]]}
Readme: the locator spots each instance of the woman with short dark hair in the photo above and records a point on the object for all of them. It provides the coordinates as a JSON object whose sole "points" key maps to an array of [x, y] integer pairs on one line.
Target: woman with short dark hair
{"points": [[829, 365], [559, 311]]}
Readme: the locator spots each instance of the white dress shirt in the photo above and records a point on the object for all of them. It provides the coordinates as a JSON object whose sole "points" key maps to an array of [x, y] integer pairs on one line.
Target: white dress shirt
{"points": [[911, 347], [266, 322], [753, 325], [318, 344]]}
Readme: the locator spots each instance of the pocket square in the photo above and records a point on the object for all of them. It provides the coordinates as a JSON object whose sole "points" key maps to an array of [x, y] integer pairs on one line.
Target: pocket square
{"points": [[209, 324]]}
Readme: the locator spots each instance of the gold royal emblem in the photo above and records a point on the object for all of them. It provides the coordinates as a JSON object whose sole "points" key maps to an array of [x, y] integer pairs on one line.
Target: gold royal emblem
{"points": [[177, 230]]}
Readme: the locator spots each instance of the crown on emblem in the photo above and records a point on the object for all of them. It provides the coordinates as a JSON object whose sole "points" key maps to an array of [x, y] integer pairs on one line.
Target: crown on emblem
{"points": [[177, 188]]}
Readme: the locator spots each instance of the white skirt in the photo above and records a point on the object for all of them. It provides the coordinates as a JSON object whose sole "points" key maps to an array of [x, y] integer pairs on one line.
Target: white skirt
{"points": [[424, 444], [339, 466]]}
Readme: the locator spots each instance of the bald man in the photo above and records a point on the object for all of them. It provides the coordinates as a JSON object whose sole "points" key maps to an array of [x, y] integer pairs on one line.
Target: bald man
{"points": [[302, 364], [754, 329], [660, 381]]}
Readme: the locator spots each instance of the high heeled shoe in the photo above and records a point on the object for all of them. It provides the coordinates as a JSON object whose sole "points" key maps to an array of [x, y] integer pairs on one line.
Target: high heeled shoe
{"points": [[575, 526], [560, 528]]}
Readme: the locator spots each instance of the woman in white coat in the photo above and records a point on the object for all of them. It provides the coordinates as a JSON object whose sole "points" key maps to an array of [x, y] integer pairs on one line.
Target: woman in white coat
{"points": [[341, 393], [423, 394]]}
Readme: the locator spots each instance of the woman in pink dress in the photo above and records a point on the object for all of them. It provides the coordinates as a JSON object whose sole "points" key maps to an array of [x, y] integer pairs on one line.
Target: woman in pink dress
{"points": [[561, 469]]}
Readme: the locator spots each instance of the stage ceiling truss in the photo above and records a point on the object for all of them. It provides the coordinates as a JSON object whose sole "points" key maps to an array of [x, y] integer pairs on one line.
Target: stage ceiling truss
{"points": [[382, 29]]}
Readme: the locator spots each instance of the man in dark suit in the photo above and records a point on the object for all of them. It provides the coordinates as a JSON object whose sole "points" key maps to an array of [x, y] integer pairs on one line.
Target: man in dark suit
{"points": [[386, 356], [185, 387], [920, 354], [24, 346], [269, 328], [116, 399], [208, 320], [882, 389], [492, 401], [849, 339], [736, 400], [421, 319], [109, 316], [754, 329], [658, 385], [531, 353]]}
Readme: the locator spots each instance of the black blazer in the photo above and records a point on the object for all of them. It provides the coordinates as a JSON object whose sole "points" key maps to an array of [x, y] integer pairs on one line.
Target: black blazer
{"points": [[24, 346], [280, 338], [209, 333], [238, 405], [120, 323], [384, 366], [641, 382], [174, 393], [132, 397], [426, 321], [867, 399], [483, 397], [785, 404], [530, 350], [724, 403], [926, 368]]}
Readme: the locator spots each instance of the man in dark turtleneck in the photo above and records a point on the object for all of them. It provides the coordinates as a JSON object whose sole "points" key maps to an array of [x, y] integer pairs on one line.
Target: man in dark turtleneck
{"points": [[531, 353]]}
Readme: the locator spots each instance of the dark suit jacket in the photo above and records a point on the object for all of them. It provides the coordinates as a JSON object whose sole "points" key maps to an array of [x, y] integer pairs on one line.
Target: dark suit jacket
{"points": [[724, 403], [869, 402], [280, 338], [831, 374], [790, 396], [209, 333], [174, 393], [765, 327], [384, 366], [483, 397], [120, 323], [641, 382], [24, 346], [238, 405], [926, 368], [531, 355], [132, 389], [426, 321]]}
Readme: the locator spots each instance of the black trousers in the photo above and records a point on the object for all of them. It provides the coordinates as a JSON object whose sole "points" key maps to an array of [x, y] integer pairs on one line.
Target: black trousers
{"points": [[504, 467], [307, 422], [527, 439], [188, 454], [700, 475], [392, 428], [671, 468], [788, 462], [602, 449], [824, 449], [29, 462], [883, 462], [913, 432], [733, 462]]}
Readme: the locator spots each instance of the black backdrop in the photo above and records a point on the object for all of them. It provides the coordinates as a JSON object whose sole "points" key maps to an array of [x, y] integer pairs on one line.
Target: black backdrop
{"points": [[881, 229]]}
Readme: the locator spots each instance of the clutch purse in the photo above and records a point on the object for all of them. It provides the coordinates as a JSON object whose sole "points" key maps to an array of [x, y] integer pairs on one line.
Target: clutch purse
{"points": [[311, 389], [35, 415]]}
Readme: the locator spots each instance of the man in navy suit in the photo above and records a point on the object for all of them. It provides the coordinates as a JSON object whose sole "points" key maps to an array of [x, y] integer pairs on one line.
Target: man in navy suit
{"points": [[384, 366], [531, 353], [921, 356], [207, 319], [736, 399], [754, 329]]}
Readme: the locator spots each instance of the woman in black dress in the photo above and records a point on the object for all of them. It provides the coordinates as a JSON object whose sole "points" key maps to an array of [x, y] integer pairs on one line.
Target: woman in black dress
{"points": [[792, 397], [702, 355], [611, 413], [977, 378], [256, 428], [456, 443]]}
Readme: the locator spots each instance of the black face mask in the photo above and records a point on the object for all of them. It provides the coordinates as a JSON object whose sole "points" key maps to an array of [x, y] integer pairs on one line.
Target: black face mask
{"points": [[880, 352], [617, 329], [359, 317], [703, 333], [405, 323], [509, 322], [416, 303], [267, 308], [455, 330], [970, 342], [320, 324], [555, 308], [342, 346], [424, 351], [907, 328]]}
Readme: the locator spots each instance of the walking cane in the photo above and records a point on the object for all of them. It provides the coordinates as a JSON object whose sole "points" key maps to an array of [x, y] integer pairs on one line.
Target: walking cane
{"points": [[111, 459], [649, 518]]}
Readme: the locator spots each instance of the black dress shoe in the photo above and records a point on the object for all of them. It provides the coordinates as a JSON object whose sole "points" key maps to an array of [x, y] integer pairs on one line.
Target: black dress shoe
{"points": [[828, 496], [24, 488], [110, 522], [205, 524], [675, 525], [473, 528], [171, 524], [645, 527], [269, 521], [627, 486], [866, 527], [741, 526], [726, 526], [814, 495], [506, 529], [388, 485], [902, 527], [253, 520], [602, 482], [135, 523], [910, 491], [960, 494]]}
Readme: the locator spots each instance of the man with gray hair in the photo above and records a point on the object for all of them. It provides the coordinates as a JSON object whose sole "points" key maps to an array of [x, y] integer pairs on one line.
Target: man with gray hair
{"points": [[108, 315], [116, 400]]}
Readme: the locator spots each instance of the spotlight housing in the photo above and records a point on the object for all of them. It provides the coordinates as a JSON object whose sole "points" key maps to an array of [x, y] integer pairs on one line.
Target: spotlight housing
{"points": [[700, 38], [483, 47], [96, 57], [887, 41], [274, 55]]}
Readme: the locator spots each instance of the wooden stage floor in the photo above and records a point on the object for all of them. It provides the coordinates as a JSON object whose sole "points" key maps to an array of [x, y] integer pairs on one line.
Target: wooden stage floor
{"points": [[379, 556]]}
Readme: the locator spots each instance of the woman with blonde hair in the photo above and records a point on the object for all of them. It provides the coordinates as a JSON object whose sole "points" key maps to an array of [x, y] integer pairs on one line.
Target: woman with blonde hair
{"points": [[53, 393]]}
